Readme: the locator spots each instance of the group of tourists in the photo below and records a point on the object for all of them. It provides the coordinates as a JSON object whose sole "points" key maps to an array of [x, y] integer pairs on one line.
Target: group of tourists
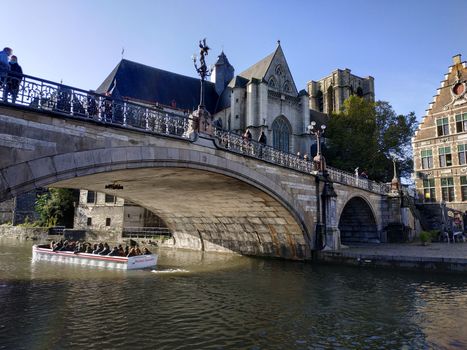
{"points": [[10, 74], [97, 248]]}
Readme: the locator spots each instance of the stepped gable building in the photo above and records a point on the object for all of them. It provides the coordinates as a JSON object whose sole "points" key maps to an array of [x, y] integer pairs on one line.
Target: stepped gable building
{"points": [[440, 143], [263, 97]]}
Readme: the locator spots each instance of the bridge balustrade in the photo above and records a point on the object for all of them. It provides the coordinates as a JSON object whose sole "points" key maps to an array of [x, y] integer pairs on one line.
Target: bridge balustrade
{"points": [[40, 94]]}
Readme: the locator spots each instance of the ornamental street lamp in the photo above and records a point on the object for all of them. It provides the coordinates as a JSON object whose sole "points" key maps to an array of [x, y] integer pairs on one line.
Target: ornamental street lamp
{"points": [[318, 160], [201, 119]]}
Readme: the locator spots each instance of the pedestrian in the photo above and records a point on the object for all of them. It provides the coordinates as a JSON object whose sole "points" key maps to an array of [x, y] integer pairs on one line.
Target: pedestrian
{"points": [[247, 135], [14, 78], [4, 68], [218, 123], [262, 138]]}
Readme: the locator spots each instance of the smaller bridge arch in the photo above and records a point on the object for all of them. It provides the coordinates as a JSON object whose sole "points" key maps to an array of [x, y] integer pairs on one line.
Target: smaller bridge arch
{"points": [[357, 222]]}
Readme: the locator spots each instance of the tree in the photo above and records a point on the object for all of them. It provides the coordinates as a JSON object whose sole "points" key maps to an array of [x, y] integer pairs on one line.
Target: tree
{"points": [[367, 135], [56, 207]]}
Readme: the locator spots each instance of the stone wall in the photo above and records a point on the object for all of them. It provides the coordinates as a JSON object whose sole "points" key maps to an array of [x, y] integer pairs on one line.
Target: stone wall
{"points": [[35, 233]]}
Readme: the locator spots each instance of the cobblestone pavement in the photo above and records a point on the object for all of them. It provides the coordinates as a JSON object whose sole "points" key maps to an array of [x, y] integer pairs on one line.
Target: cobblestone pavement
{"points": [[433, 250]]}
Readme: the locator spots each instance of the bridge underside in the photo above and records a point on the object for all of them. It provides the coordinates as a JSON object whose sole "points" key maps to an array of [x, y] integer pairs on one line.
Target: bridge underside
{"points": [[207, 211], [357, 223]]}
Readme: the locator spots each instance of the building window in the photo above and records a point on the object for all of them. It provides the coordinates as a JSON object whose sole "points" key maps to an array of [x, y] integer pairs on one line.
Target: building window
{"points": [[272, 83], [429, 193], [461, 153], [109, 198], [445, 157], [330, 99], [427, 159], [442, 125], [447, 189], [107, 221], [461, 122], [464, 188], [319, 100], [359, 92], [91, 197], [280, 134], [89, 222]]}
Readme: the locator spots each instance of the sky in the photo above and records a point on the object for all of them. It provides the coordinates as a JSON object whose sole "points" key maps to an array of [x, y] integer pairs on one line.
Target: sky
{"points": [[406, 45]]}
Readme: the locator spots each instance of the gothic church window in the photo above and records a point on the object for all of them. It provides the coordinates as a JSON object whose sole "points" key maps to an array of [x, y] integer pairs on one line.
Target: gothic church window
{"points": [[278, 70], [272, 83], [281, 134], [286, 87]]}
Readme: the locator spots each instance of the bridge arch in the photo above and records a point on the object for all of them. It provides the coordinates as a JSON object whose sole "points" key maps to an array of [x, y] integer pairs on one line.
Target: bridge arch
{"points": [[357, 222], [209, 202]]}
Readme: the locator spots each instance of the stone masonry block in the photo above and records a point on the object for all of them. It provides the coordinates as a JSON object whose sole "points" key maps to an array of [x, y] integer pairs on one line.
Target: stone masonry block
{"points": [[42, 167], [17, 175], [119, 155], [64, 163]]}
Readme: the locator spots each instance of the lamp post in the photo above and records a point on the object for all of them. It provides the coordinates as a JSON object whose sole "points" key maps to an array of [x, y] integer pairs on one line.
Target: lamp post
{"points": [[201, 118], [319, 160]]}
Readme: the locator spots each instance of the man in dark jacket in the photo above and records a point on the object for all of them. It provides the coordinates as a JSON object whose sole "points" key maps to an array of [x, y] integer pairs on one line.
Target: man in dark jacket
{"points": [[14, 78]]}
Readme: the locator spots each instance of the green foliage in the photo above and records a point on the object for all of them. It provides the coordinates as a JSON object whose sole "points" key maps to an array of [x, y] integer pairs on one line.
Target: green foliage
{"points": [[425, 237], [55, 207], [367, 135]]}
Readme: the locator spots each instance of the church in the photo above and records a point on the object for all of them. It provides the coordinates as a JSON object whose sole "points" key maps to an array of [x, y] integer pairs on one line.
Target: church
{"points": [[263, 97]]}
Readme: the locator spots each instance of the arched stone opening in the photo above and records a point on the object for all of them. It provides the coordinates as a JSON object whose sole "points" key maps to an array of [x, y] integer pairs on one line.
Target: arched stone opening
{"points": [[357, 223], [281, 131], [207, 211]]}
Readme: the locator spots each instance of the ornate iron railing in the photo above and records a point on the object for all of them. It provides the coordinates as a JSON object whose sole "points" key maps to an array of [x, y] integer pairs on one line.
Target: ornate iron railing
{"points": [[49, 96], [65, 100], [236, 143]]}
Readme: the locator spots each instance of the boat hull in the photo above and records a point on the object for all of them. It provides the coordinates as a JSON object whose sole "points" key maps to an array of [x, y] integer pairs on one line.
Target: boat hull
{"points": [[112, 262]]}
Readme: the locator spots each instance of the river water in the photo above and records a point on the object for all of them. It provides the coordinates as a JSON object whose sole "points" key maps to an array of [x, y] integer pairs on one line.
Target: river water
{"points": [[218, 301]]}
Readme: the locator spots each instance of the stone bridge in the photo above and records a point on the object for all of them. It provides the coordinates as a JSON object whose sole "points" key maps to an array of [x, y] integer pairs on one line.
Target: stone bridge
{"points": [[214, 192]]}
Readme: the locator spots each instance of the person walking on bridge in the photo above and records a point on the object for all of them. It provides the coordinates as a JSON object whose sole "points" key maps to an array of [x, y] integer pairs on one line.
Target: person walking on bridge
{"points": [[4, 68], [14, 78]]}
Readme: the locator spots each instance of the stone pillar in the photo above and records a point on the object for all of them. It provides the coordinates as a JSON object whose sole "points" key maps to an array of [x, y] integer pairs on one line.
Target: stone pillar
{"points": [[305, 112], [333, 238], [312, 91], [263, 104], [251, 96]]}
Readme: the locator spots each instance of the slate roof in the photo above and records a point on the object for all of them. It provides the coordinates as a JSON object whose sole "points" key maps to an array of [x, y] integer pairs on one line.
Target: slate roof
{"points": [[148, 84], [259, 69]]}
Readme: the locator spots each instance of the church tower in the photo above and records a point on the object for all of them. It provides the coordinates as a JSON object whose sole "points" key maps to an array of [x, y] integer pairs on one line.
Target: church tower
{"points": [[222, 73]]}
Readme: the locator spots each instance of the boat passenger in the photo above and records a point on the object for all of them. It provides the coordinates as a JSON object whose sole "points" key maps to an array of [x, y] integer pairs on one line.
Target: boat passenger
{"points": [[146, 251], [106, 250], [132, 252], [58, 245], [127, 251], [64, 247], [121, 252], [89, 248], [99, 248], [114, 252], [138, 251], [52, 245]]}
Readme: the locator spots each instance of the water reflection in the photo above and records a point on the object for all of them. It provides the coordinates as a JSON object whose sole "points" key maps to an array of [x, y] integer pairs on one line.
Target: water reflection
{"points": [[220, 301]]}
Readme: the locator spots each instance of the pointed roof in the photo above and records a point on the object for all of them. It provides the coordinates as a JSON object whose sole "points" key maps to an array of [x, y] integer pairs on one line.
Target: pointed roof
{"points": [[259, 69], [137, 81], [222, 59]]}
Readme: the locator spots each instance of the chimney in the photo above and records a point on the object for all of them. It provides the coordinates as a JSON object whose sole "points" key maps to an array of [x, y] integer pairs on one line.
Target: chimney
{"points": [[456, 59]]}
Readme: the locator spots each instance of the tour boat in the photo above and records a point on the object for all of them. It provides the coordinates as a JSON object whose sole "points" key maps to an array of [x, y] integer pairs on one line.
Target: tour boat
{"points": [[41, 252]]}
